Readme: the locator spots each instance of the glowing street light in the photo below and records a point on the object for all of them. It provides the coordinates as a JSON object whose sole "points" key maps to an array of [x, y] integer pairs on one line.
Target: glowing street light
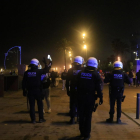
{"points": [[85, 47], [83, 35], [119, 59], [136, 55]]}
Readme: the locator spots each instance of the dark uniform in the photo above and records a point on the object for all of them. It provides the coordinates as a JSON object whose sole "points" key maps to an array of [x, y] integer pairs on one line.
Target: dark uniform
{"points": [[71, 86], [32, 84], [88, 83], [138, 78], [116, 89]]}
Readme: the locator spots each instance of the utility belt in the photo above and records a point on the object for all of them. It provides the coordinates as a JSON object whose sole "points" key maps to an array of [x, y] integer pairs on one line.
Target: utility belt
{"points": [[87, 93], [116, 89], [34, 88]]}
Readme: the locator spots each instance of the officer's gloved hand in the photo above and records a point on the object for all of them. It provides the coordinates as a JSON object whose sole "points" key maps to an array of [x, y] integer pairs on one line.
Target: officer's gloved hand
{"points": [[24, 92], [44, 60], [101, 101], [96, 96]]}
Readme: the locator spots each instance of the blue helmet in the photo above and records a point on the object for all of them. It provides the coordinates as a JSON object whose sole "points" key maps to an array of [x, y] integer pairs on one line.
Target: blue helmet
{"points": [[79, 60], [34, 61], [92, 61], [118, 64]]}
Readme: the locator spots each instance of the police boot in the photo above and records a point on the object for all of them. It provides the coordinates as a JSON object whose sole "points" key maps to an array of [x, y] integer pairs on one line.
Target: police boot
{"points": [[118, 120], [72, 121], [110, 120], [87, 138], [33, 121], [42, 120]]}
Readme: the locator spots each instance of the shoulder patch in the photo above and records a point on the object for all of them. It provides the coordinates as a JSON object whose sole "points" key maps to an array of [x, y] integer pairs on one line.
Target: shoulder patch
{"points": [[31, 74], [118, 76], [86, 75]]}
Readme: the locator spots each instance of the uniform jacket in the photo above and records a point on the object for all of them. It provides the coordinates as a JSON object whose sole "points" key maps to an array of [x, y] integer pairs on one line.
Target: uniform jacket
{"points": [[89, 82], [138, 75], [32, 79], [71, 79], [63, 75], [117, 79]]}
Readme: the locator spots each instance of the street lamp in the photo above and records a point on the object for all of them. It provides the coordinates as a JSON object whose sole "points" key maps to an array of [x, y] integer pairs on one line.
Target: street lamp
{"points": [[83, 35], [70, 66], [85, 47], [119, 59], [136, 55], [70, 55]]}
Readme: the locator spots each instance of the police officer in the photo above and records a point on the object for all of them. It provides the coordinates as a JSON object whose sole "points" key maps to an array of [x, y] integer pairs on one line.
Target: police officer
{"points": [[88, 83], [116, 89], [71, 86], [31, 84]]}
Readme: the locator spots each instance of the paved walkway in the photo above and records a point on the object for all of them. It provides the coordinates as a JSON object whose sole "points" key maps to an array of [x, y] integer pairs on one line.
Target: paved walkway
{"points": [[15, 121]]}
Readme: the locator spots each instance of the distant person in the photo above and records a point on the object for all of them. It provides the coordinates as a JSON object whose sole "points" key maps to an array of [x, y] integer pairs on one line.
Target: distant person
{"points": [[53, 76], [131, 77], [63, 77], [56, 79], [102, 78], [134, 78], [46, 91]]}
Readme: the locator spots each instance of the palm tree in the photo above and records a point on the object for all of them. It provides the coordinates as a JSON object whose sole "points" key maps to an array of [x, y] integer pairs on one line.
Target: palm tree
{"points": [[111, 58], [119, 47], [64, 45]]}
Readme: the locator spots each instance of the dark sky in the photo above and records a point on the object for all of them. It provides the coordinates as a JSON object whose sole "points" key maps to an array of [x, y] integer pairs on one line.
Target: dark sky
{"points": [[37, 26]]}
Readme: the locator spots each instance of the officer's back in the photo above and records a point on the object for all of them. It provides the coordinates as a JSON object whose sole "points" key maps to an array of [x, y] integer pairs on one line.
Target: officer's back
{"points": [[72, 75], [116, 79], [89, 80], [34, 78]]}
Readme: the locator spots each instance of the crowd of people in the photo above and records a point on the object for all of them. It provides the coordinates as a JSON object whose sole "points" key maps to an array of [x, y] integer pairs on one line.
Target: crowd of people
{"points": [[83, 85]]}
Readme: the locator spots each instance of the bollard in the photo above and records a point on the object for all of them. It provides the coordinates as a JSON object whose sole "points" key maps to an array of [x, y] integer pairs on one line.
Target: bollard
{"points": [[138, 106]]}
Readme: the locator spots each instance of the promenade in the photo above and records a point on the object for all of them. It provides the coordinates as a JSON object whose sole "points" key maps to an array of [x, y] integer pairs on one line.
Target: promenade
{"points": [[15, 121]]}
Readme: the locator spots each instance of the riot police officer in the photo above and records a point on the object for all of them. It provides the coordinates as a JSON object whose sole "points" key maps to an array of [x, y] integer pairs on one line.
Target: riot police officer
{"points": [[116, 89], [88, 83], [31, 84], [71, 86]]}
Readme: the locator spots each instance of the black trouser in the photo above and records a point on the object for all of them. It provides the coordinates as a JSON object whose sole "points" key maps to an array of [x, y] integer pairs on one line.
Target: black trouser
{"points": [[85, 106], [32, 98], [115, 96], [73, 104], [138, 81], [134, 81], [53, 82]]}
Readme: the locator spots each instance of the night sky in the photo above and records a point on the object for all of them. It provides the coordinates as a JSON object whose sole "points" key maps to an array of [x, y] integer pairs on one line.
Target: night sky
{"points": [[37, 26]]}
